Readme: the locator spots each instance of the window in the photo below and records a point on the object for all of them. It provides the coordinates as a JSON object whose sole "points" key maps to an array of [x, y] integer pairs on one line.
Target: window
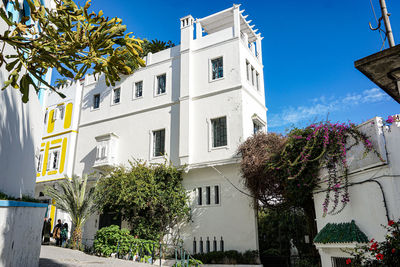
{"points": [[208, 195], [161, 80], [248, 70], [215, 244], [116, 95], [158, 143], [208, 245], [252, 76], [216, 194], [199, 196], [139, 89], [217, 68], [55, 160], [256, 127], [96, 101], [45, 116], [257, 81], [339, 262], [39, 163], [219, 132], [194, 245]]}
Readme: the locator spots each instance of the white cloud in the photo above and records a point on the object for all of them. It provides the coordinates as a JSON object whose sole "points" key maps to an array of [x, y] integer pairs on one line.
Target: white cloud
{"points": [[322, 106]]}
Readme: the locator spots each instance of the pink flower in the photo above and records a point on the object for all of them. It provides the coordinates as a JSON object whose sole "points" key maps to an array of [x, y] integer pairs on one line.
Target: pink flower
{"points": [[390, 119]]}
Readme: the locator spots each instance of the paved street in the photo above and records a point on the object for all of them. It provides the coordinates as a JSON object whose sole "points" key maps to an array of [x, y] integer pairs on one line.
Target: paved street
{"points": [[51, 256]]}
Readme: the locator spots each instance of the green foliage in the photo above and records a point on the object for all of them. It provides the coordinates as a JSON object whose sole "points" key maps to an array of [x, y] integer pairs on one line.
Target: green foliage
{"points": [[228, 257], [24, 198], [61, 83], [74, 197], [150, 197], [71, 40], [155, 46], [385, 253], [107, 240]]}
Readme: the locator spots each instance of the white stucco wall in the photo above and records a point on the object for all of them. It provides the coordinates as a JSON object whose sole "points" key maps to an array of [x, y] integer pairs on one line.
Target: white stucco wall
{"points": [[366, 206], [20, 233]]}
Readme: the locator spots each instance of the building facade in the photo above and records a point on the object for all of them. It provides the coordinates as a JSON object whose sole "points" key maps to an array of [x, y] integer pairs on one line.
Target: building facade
{"points": [[374, 190], [55, 157], [192, 104]]}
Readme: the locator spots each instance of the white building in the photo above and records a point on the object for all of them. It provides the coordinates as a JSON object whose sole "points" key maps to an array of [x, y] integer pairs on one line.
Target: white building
{"points": [[374, 189], [20, 132], [194, 103]]}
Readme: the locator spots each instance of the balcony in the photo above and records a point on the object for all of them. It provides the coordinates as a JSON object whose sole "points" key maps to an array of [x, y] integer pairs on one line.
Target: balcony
{"points": [[106, 151]]}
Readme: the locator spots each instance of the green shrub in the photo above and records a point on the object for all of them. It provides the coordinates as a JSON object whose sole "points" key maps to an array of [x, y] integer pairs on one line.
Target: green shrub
{"points": [[228, 257], [107, 240]]}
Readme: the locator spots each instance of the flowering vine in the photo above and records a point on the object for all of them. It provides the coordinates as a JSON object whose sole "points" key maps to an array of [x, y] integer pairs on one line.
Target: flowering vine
{"points": [[317, 146]]}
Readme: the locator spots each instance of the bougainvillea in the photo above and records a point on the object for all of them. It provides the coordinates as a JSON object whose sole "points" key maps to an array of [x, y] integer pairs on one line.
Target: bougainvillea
{"points": [[385, 253], [291, 165]]}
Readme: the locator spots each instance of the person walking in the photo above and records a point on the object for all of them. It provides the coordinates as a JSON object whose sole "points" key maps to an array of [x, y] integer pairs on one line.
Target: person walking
{"points": [[46, 231], [57, 232], [64, 235]]}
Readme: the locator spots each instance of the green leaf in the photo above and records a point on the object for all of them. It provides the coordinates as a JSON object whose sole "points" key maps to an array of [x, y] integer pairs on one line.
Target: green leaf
{"points": [[4, 16], [24, 87], [10, 66]]}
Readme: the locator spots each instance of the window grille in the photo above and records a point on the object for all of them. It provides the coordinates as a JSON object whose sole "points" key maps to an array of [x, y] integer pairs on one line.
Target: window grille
{"points": [[221, 244], [201, 245], [199, 196], [215, 244], [252, 76], [208, 195], [139, 89], [117, 95], [217, 68], [256, 127], [339, 262], [96, 101], [216, 195], [158, 143], [194, 245], [55, 159], [161, 80], [39, 164], [248, 70], [219, 132], [208, 245]]}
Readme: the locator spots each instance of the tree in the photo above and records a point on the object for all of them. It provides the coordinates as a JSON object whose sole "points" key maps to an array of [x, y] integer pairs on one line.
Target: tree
{"points": [[69, 39], [150, 198], [155, 46], [74, 197]]}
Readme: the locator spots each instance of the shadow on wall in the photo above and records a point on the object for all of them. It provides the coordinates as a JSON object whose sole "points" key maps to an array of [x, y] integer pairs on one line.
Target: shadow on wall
{"points": [[88, 161], [17, 145], [99, 87]]}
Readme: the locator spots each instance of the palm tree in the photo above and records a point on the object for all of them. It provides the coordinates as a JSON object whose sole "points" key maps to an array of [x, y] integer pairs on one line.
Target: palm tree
{"points": [[74, 197]]}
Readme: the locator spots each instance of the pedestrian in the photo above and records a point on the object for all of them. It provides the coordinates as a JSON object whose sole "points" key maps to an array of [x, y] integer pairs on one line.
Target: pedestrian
{"points": [[46, 231], [64, 235], [57, 232]]}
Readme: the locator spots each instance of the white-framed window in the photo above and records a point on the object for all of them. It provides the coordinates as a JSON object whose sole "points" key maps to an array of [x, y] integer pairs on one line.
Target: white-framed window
{"points": [[257, 81], [116, 96], [39, 163], [216, 195], [45, 116], [96, 101], [56, 114], [158, 143], [252, 75], [248, 70], [219, 133], [258, 124], [138, 89], [53, 160], [161, 84], [62, 111], [217, 68], [208, 195], [199, 196], [101, 150]]}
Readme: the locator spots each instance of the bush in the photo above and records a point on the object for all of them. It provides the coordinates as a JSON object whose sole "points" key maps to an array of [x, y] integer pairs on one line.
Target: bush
{"points": [[107, 239], [228, 257]]}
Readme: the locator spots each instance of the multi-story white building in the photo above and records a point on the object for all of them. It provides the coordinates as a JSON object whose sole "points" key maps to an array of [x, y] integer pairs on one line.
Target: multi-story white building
{"points": [[194, 104]]}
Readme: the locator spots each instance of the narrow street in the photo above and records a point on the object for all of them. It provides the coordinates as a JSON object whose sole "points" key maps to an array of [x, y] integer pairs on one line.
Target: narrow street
{"points": [[51, 256]]}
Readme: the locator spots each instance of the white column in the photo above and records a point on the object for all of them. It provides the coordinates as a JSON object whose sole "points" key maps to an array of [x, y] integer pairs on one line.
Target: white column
{"points": [[236, 22], [199, 30], [258, 44]]}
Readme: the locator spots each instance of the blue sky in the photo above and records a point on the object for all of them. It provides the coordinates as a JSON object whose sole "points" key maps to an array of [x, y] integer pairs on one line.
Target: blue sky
{"points": [[309, 49]]}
